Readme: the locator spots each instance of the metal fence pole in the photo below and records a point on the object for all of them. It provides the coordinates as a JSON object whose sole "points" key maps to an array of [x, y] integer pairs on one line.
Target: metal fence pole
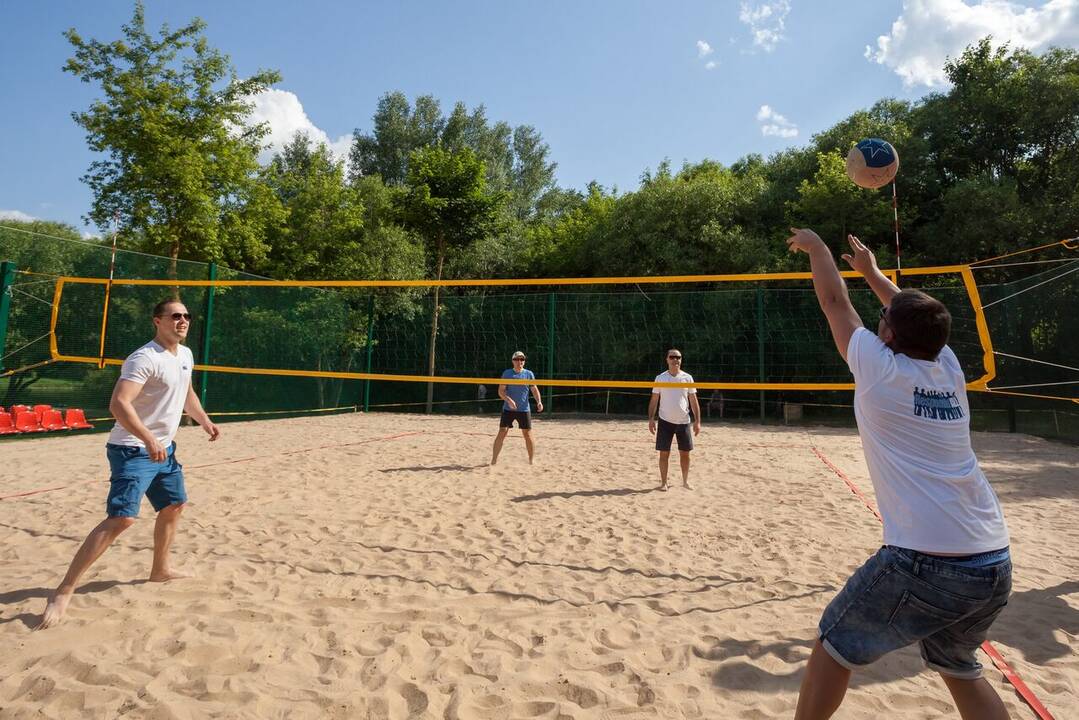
{"points": [[370, 350], [760, 341], [550, 350], [207, 328], [7, 279]]}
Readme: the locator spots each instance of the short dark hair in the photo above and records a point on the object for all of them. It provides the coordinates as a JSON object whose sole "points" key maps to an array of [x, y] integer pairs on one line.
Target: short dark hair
{"points": [[159, 309], [921, 323]]}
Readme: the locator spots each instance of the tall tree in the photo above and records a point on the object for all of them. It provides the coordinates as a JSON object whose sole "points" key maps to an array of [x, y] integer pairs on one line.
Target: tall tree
{"points": [[447, 203], [179, 160]]}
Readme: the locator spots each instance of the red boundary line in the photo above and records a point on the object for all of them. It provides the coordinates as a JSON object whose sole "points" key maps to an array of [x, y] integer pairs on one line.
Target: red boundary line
{"points": [[223, 462], [998, 660]]}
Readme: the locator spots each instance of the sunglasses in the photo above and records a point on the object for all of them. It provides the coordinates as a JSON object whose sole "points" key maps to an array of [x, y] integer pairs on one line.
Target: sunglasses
{"points": [[883, 311], [674, 357], [176, 316], [518, 359]]}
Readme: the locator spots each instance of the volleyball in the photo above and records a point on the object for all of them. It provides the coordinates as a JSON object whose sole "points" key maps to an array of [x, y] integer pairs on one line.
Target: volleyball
{"points": [[872, 163]]}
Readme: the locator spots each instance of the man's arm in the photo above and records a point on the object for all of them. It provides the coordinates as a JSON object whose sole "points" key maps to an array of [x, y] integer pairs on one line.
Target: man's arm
{"points": [[193, 407], [652, 405], [695, 406], [539, 400], [864, 262], [121, 408], [509, 400], [829, 286]]}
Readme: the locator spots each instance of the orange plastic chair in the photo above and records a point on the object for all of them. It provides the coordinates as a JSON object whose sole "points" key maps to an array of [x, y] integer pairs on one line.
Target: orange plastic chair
{"points": [[40, 411], [26, 422], [53, 420], [6, 426], [76, 419]]}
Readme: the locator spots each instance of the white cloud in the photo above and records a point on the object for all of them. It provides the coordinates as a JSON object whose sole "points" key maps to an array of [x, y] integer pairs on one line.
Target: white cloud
{"points": [[710, 65], [927, 32], [766, 21], [774, 124], [18, 215], [285, 115], [704, 49]]}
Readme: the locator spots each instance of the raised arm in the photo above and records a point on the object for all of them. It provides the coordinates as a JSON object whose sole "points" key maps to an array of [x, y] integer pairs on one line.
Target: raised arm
{"points": [[829, 286], [862, 260]]}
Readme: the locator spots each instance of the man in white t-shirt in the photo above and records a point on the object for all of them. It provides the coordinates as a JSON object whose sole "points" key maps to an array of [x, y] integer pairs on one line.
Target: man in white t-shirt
{"points": [[151, 395], [944, 572], [674, 405]]}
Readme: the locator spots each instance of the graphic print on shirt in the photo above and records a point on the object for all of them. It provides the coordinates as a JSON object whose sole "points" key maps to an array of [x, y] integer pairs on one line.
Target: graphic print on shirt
{"points": [[936, 405]]}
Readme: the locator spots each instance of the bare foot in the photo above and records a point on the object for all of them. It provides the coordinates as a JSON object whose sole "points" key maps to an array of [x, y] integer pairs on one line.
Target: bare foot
{"points": [[55, 608], [685, 484], [169, 575], [663, 487]]}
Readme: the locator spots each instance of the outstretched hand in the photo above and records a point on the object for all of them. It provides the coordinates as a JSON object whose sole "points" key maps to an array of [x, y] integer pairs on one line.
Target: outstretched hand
{"points": [[862, 259], [804, 239]]}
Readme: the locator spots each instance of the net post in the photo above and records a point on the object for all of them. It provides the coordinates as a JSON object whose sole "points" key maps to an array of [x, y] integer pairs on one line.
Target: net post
{"points": [[760, 341], [7, 279], [207, 327], [550, 350], [370, 350]]}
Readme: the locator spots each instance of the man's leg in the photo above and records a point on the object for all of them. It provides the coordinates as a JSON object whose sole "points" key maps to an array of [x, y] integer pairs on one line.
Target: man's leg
{"points": [[92, 547], [529, 444], [664, 462], [164, 531], [823, 687], [499, 439], [683, 460], [976, 699]]}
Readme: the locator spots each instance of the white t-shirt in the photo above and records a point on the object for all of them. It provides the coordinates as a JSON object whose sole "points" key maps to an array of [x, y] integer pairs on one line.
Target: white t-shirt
{"points": [[914, 420], [165, 380], [674, 402]]}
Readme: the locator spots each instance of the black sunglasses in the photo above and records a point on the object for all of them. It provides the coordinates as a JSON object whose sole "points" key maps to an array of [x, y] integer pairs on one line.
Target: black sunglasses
{"points": [[883, 311], [674, 357], [176, 316], [518, 358]]}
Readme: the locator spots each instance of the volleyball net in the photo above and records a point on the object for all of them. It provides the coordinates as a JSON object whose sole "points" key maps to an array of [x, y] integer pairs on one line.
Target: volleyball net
{"points": [[276, 346]]}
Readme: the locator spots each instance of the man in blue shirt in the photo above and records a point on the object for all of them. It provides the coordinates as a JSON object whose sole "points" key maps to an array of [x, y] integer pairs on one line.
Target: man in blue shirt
{"points": [[515, 406]]}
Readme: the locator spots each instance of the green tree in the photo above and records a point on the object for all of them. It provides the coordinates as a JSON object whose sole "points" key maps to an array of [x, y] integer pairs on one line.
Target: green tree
{"points": [[448, 205], [180, 159]]}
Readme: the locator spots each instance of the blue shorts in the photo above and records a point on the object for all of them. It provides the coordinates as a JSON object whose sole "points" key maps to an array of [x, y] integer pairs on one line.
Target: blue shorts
{"points": [[900, 597], [135, 475]]}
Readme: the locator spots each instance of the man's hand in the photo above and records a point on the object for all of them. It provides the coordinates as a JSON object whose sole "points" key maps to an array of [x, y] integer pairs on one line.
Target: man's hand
{"points": [[805, 240], [862, 259], [212, 430], [539, 406], [156, 451], [696, 427], [652, 425], [511, 402]]}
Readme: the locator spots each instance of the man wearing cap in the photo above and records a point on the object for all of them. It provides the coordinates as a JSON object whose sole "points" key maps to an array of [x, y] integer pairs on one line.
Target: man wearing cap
{"points": [[679, 412], [516, 407]]}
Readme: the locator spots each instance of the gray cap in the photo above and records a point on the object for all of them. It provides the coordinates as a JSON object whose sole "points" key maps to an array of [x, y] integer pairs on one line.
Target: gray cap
{"points": [[518, 354]]}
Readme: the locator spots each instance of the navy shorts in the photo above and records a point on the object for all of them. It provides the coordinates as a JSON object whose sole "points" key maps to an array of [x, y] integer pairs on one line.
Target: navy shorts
{"points": [[667, 431], [134, 475], [524, 419], [900, 597]]}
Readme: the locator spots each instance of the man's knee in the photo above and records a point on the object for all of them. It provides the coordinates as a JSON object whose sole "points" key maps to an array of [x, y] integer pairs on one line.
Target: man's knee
{"points": [[119, 523]]}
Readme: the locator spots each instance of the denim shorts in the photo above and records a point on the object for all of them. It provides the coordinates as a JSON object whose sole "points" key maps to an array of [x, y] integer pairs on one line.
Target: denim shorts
{"points": [[134, 475], [900, 597]]}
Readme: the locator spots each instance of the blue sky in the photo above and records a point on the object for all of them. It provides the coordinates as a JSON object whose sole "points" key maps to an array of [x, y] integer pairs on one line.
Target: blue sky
{"points": [[613, 87]]}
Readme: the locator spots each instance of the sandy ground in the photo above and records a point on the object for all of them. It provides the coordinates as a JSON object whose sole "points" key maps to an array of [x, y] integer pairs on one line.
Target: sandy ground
{"points": [[374, 566]]}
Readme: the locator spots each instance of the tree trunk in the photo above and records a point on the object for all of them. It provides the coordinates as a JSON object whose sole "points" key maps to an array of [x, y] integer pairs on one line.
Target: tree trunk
{"points": [[434, 333]]}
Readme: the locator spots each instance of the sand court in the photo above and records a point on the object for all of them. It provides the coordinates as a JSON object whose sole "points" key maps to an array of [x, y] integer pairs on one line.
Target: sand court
{"points": [[374, 566]]}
